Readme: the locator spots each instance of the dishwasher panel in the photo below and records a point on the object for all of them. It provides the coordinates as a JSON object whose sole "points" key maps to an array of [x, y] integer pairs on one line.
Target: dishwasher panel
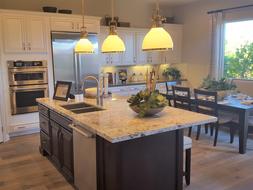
{"points": [[84, 159]]}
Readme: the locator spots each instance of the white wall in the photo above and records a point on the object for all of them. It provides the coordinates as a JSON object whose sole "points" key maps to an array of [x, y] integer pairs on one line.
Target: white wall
{"points": [[137, 12], [197, 36]]}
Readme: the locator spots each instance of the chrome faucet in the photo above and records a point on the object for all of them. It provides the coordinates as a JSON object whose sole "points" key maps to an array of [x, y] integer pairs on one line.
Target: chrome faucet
{"points": [[100, 91]]}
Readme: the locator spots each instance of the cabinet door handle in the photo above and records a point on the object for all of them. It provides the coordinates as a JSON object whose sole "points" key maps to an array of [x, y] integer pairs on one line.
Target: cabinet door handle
{"points": [[23, 44], [73, 26], [29, 46]]}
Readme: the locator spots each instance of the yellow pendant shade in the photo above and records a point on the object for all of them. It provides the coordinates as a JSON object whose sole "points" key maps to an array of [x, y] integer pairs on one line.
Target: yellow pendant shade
{"points": [[113, 44], [84, 46], [157, 39]]}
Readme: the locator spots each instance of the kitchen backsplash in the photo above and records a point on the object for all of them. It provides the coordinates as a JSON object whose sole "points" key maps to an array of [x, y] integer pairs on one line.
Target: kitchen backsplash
{"points": [[137, 73]]}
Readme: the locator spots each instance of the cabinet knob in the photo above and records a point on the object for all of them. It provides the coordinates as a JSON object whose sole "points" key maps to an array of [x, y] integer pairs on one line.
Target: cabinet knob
{"points": [[29, 46], [23, 44]]}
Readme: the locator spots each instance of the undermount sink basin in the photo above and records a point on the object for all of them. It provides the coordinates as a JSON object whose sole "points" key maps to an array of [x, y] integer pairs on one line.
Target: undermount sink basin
{"points": [[76, 106], [81, 108]]}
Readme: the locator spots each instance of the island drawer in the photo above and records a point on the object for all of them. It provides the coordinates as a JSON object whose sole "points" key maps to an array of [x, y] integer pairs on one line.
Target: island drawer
{"points": [[63, 121], [43, 110], [45, 142]]}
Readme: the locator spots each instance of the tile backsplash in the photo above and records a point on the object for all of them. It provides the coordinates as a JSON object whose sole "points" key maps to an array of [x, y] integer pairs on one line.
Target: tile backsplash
{"points": [[137, 73]]}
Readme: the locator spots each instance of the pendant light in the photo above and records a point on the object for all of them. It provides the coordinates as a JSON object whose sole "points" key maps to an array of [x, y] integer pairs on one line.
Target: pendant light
{"points": [[113, 43], [157, 39], [84, 45]]}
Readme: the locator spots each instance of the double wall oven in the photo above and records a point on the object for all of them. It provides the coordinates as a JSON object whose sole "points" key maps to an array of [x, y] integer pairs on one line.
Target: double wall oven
{"points": [[28, 80]]}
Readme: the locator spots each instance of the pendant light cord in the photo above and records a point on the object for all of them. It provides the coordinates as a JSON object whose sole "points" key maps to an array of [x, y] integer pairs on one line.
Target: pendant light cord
{"points": [[83, 12], [112, 5], [157, 6]]}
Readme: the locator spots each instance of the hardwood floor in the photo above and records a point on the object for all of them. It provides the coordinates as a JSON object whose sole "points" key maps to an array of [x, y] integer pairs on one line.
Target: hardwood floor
{"points": [[213, 168], [23, 168]]}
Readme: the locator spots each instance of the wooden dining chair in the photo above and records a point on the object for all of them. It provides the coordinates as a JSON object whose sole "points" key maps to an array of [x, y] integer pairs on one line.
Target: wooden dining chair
{"points": [[207, 103], [169, 86], [187, 149], [182, 100]]}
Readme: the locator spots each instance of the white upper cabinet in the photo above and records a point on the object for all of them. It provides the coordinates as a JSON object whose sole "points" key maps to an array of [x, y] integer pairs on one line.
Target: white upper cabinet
{"points": [[24, 34], [141, 56], [14, 36], [129, 56], [68, 23], [108, 59], [36, 34], [176, 32]]}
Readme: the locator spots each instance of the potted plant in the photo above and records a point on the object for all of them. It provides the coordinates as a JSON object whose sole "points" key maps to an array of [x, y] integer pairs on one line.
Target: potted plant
{"points": [[147, 103], [222, 86], [172, 73]]}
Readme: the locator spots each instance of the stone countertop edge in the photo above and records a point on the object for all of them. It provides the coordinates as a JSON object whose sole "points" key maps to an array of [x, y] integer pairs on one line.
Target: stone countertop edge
{"points": [[76, 118]]}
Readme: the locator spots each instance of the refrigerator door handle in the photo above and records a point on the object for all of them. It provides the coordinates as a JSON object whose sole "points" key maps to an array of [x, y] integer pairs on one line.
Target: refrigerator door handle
{"points": [[76, 73], [80, 90]]}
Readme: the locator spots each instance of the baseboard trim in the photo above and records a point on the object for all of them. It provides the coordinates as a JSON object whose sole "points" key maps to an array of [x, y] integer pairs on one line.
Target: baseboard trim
{"points": [[24, 132]]}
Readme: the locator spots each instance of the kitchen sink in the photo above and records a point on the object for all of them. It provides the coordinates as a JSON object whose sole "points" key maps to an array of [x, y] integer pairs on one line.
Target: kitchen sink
{"points": [[86, 110], [76, 106], [81, 108]]}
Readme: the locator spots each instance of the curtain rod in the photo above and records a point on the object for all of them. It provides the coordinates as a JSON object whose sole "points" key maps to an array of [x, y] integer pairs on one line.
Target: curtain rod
{"points": [[228, 9]]}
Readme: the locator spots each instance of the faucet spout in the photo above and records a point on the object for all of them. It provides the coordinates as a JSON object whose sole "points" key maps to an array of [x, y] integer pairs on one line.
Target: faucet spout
{"points": [[100, 92]]}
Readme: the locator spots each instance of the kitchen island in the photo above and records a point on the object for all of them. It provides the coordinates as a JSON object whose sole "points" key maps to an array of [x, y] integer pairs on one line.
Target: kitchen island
{"points": [[120, 151]]}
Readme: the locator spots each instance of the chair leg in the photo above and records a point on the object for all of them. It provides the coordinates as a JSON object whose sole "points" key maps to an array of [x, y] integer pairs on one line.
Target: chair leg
{"points": [[211, 130], [232, 134], [206, 128], [198, 132], [188, 166], [216, 134], [190, 132]]}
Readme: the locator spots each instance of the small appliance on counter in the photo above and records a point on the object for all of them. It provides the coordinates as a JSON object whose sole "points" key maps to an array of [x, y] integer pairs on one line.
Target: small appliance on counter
{"points": [[28, 80], [123, 76]]}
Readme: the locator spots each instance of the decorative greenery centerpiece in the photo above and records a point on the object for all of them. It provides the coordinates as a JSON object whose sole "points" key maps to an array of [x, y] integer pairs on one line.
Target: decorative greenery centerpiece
{"points": [[222, 86], [149, 101], [172, 73]]}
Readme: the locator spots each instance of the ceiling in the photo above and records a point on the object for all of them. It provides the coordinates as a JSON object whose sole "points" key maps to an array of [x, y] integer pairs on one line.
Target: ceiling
{"points": [[170, 2]]}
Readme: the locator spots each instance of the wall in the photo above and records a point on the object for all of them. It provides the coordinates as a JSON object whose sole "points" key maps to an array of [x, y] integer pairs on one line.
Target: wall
{"points": [[197, 36], [138, 13]]}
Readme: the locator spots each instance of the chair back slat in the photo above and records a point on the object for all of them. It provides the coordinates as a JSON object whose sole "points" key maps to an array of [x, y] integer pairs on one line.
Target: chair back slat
{"points": [[181, 97], [206, 102]]}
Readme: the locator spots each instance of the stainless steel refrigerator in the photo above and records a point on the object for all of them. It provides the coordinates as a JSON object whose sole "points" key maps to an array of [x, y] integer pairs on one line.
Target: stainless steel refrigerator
{"points": [[71, 67]]}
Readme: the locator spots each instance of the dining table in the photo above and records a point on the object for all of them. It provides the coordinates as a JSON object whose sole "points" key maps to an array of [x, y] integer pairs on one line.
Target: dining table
{"points": [[239, 104]]}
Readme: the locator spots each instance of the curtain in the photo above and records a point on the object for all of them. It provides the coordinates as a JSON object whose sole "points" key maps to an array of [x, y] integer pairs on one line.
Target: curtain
{"points": [[218, 43]]}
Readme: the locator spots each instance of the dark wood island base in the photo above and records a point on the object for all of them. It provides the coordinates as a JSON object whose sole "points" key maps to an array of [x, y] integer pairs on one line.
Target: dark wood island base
{"points": [[151, 163]]}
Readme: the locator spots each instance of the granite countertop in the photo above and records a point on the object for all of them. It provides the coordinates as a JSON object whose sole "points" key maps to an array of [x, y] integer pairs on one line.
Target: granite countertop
{"points": [[119, 123], [144, 82]]}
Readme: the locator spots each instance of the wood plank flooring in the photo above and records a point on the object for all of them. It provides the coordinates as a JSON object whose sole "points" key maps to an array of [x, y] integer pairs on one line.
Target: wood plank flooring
{"points": [[213, 168]]}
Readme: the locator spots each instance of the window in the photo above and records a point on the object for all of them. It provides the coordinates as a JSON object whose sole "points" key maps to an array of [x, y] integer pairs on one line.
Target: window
{"points": [[239, 50]]}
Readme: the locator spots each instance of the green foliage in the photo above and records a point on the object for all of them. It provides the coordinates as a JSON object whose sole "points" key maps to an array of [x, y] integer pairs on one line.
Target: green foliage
{"points": [[213, 85], [172, 72], [146, 100], [240, 64]]}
